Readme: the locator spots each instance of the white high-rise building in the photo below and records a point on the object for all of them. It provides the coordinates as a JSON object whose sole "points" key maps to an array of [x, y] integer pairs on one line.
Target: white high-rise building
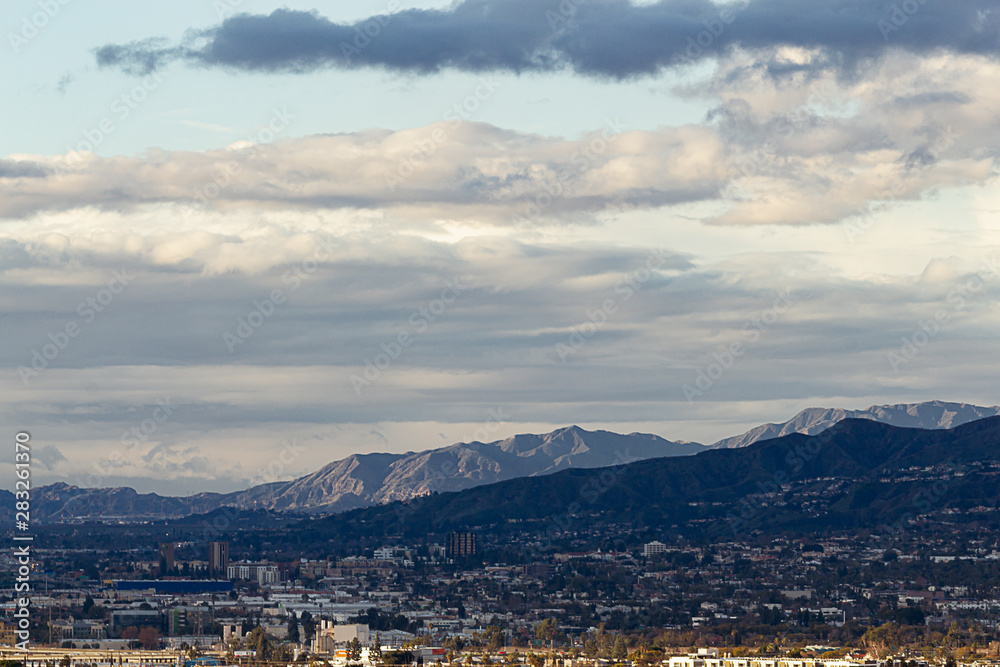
{"points": [[654, 548]]}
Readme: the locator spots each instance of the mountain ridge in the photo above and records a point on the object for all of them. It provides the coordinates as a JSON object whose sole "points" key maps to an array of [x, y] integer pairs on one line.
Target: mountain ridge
{"points": [[860, 473], [934, 414], [362, 480]]}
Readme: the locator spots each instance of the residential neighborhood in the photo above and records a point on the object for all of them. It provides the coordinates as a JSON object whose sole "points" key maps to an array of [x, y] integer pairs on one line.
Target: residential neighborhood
{"points": [[785, 603]]}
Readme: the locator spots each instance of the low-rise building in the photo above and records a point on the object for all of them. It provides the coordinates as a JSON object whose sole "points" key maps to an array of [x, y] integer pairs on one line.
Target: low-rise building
{"points": [[8, 633], [77, 628], [262, 573]]}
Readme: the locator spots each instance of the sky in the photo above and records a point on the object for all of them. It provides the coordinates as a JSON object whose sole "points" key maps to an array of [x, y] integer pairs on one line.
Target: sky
{"points": [[230, 226]]}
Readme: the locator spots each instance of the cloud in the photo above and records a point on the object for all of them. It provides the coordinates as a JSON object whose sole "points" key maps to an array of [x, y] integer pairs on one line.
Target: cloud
{"points": [[49, 456], [603, 38], [824, 149], [164, 460], [495, 346], [523, 293], [22, 169], [450, 170], [813, 149], [64, 82]]}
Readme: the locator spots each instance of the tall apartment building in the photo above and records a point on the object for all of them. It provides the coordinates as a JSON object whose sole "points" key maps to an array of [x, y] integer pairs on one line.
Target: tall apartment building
{"points": [[218, 558], [167, 565], [461, 545]]}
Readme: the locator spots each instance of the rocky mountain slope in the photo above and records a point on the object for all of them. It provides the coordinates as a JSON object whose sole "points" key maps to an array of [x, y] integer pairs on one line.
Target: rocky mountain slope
{"points": [[859, 474], [362, 480], [927, 415]]}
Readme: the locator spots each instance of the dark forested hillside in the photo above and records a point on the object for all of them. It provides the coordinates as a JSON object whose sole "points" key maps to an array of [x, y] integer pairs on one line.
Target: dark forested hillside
{"points": [[860, 474]]}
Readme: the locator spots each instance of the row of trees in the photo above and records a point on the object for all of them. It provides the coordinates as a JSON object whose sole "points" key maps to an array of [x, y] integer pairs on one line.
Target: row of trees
{"points": [[147, 637], [959, 641], [308, 625], [768, 636], [266, 646]]}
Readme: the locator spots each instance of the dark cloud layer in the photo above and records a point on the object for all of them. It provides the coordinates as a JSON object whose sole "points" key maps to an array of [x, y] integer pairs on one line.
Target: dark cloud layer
{"points": [[607, 38], [22, 169]]}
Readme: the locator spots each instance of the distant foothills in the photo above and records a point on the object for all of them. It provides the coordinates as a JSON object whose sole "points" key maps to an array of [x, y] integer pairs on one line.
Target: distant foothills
{"points": [[366, 480]]}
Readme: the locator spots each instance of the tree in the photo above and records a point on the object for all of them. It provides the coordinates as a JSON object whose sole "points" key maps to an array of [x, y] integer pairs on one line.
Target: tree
{"points": [[353, 651], [258, 640], [909, 616], [397, 658], [547, 629], [308, 626], [620, 651], [149, 638], [880, 639], [293, 628], [88, 604], [954, 636]]}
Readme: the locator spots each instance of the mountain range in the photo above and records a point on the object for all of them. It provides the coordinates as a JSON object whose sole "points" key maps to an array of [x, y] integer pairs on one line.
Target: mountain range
{"points": [[859, 474], [927, 415], [363, 480]]}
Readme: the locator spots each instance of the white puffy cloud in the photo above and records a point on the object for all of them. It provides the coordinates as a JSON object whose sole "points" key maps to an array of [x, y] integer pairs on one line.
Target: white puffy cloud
{"points": [[804, 149]]}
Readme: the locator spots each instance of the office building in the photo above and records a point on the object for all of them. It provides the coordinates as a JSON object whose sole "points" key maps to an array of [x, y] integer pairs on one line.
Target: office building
{"points": [[218, 558]]}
